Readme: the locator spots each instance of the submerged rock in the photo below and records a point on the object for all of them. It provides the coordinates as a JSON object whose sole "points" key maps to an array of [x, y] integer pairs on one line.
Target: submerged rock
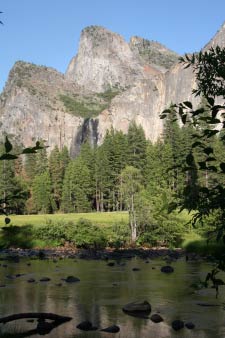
{"points": [[86, 326], [71, 279], [167, 269], [136, 269], [177, 325], [45, 279], [156, 318], [190, 325], [137, 307], [10, 276], [111, 329]]}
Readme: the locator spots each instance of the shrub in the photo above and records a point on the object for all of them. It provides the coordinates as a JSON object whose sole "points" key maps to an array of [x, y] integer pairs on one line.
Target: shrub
{"points": [[53, 231], [86, 235], [118, 235], [15, 236], [169, 233], [82, 234]]}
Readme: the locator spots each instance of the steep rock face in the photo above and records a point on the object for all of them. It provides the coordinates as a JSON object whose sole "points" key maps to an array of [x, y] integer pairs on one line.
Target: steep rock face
{"points": [[108, 84], [179, 83], [144, 102], [141, 103], [104, 60], [31, 108]]}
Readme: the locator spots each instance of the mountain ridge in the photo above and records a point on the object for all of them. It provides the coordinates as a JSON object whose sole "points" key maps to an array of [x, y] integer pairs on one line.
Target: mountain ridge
{"points": [[109, 83]]}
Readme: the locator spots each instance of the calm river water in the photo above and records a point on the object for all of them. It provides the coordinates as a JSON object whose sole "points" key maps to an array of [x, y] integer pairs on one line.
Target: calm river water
{"points": [[102, 292]]}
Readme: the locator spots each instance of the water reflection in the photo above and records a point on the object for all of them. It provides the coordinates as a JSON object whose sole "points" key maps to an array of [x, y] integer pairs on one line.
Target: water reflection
{"points": [[103, 291]]}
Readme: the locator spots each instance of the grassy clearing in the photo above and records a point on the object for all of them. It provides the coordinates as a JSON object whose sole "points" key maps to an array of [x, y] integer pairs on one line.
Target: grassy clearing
{"points": [[98, 218], [29, 231], [85, 108], [193, 242]]}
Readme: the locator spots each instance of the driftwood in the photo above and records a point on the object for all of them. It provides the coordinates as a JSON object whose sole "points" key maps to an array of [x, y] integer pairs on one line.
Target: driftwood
{"points": [[43, 327], [38, 315]]}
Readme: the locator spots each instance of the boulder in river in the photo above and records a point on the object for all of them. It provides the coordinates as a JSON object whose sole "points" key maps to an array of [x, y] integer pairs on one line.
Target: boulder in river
{"points": [[86, 326], [167, 269], [45, 279], [156, 318], [177, 324], [72, 279], [111, 329], [190, 325], [137, 307]]}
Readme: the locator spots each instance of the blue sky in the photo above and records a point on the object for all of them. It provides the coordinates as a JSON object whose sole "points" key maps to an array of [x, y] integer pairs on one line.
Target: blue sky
{"points": [[46, 32]]}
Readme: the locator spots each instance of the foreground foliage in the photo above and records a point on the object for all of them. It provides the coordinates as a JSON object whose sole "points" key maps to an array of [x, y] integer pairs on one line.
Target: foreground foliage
{"points": [[205, 162]]}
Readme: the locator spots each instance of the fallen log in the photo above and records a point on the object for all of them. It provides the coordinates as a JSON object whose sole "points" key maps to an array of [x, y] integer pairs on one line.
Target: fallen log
{"points": [[38, 315]]}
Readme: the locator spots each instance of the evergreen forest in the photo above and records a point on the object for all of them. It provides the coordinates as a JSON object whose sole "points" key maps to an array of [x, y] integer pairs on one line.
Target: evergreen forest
{"points": [[153, 182]]}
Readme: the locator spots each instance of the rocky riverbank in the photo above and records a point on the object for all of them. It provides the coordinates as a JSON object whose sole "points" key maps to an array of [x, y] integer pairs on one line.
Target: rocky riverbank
{"points": [[106, 254]]}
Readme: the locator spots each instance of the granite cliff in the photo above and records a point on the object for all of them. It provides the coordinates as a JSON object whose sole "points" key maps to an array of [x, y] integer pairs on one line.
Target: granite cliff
{"points": [[109, 83]]}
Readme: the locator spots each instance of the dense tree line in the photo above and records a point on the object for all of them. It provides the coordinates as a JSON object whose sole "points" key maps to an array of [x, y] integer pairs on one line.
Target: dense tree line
{"points": [[94, 180], [126, 172]]}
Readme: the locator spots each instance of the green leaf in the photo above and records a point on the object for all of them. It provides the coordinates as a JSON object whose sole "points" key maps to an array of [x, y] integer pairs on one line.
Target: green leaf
{"points": [[208, 150], [163, 116], [198, 112], [209, 133], [212, 168], [184, 118], [202, 165], [29, 151], [190, 159], [210, 159], [197, 144], [8, 157], [222, 167], [188, 104], [210, 101], [8, 145], [7, 220]]}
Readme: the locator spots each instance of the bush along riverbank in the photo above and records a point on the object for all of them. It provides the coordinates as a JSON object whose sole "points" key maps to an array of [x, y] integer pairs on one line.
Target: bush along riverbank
{"points": [[82, 234], [83, 238]]}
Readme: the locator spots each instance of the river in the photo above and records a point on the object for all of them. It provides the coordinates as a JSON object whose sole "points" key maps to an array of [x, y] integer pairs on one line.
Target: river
{"points": [[102, 292]]}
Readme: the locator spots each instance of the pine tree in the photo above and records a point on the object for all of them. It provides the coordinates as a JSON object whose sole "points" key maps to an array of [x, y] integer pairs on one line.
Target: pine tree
{"points": [[137, 146], [56, 174], [41, 165], [30, 166], [42, 193], [87, 154], [65, 159], [101, 176], [174, 136], [76, 187]]}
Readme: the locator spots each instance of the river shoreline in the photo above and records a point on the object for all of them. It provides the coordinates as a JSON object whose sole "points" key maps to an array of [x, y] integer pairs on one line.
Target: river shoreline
{"points": [[62, 252]]}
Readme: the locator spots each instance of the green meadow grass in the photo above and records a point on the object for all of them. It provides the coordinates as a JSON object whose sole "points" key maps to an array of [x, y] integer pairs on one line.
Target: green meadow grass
{"points": [[98, 218], [193, 242]]}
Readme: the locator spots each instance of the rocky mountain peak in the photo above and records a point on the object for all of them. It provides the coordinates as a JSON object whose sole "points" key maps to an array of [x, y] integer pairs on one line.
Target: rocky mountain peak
{"points": [[109, 83], [218, 39], [104, 61], [153, 53], [100, 34]]}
